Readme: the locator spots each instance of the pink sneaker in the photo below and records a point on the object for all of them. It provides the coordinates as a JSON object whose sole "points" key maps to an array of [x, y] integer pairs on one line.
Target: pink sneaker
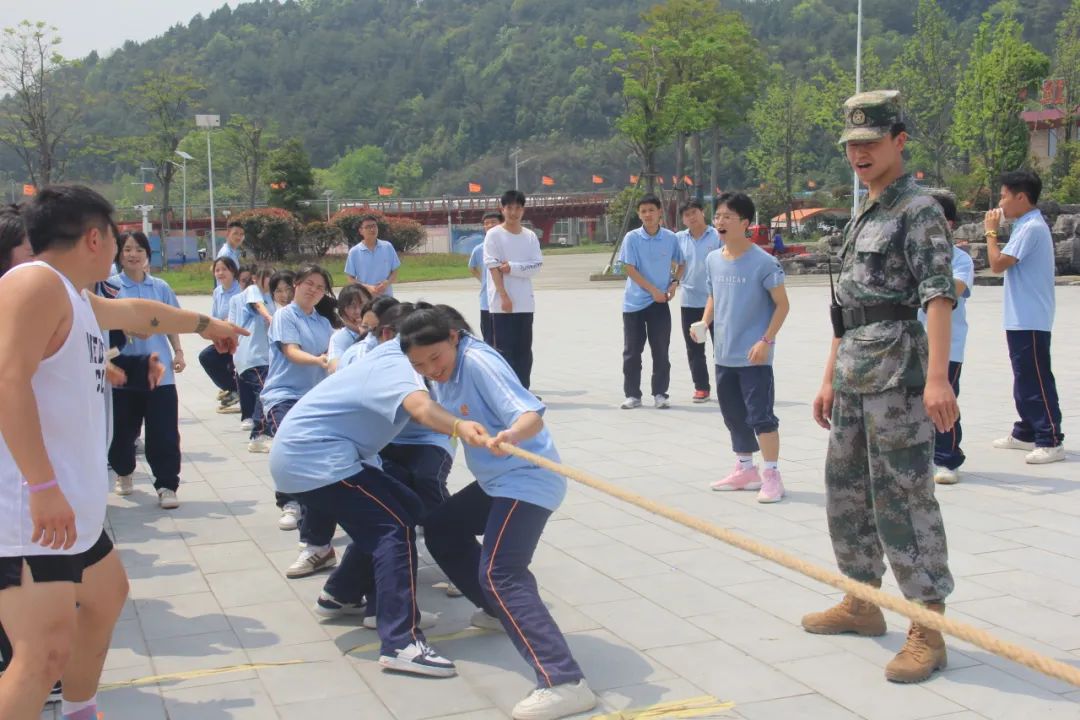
{"points": [[772, 488], [739, 480]]}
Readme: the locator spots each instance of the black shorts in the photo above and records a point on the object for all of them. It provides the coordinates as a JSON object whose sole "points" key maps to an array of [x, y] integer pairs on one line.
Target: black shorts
{"points": [[53, 568]]}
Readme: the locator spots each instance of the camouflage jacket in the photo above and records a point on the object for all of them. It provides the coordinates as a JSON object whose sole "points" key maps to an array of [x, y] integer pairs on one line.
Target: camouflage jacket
{"points": [[897, 250]]}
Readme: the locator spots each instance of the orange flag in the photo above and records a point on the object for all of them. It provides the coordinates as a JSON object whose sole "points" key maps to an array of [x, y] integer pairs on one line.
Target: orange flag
{"points": [[545, 180], [597, 180], [385, 191], [634, 179], [28, 190], [687, 179], [148, 187], [475, 187]]}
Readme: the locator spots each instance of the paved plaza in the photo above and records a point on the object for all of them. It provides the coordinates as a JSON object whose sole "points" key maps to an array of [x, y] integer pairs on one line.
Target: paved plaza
{"points": [[655, 613]]}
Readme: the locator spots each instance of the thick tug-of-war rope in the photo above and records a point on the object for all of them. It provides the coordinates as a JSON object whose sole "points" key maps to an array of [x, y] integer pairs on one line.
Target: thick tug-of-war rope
{"points": [[914, 611]]}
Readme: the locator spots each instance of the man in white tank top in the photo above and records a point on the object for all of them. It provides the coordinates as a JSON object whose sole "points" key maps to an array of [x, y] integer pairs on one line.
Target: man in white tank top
{"points": [[53, 478]]}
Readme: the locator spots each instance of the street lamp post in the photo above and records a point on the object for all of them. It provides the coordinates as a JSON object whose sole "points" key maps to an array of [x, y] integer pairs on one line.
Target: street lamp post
{"points": [[183, 171], [328, 194], [210, 122], [515, 154]]}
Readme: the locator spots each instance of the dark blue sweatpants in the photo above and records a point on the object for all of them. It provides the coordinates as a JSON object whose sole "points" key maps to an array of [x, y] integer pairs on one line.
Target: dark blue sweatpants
{"points": [[495, 576], [316, 527], [746, 396], [159, 410], [250, 384], [379, 515], [947, 452], [219, 367], [1034, 388]]}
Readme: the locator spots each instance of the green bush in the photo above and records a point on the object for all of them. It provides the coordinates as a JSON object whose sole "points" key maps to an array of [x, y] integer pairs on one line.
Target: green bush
{"points": [[318, 237], [405, 234], [270, 233]]}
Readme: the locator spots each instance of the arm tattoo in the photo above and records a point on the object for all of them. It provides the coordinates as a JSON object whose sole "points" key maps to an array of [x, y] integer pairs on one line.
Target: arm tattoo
{"points": [[154, 322], [203, 323]]}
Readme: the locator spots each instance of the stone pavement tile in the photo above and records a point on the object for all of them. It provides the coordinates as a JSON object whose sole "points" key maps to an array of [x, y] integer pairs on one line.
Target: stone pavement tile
{"points": [[683, 595], [211, 530], [642, 623], [1000, 696], [800, 707], [1041, 623], [229, 556], [237, 700], [165, 580], [324, 673], [1039, 589], [618, 560], [861, 687], [980, 656], [965, 715], [1048, 539], [159, 551], [1040, 562], [785, 596], [600, 515], [576, 583], [409, 697], [763, 636], [359, 705], [963, 565], [566, 534], [610, 661], [275, 624], [651, 538], [727, 673], [208, 651], [128, 647], [249, 587], [143, 703], [976, 542], [712, 567], [180, 615], [1049, 519]]}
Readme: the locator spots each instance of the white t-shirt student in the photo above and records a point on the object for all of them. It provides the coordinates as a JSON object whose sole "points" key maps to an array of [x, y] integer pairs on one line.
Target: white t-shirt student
{"points": [[522, 251]]}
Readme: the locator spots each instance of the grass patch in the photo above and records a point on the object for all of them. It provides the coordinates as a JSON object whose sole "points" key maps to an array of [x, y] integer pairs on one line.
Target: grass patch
{"points": [[197, 278], [590, 249]]}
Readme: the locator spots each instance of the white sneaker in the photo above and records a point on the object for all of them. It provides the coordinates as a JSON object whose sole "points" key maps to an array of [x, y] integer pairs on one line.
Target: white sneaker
{"points": [[261, 444], [661, 402], [228, 409], [167, 499], [427, 620], [247, 425], [945, 476], [290, 516], [419, 659], [1010, 443], [328, 607], [556, 702], [124, 485], [310, 561], [630, 403], [481, 619], [452, 589], [1043, 455]]}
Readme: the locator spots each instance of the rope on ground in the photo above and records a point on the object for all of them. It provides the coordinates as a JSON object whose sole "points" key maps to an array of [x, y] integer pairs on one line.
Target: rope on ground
{"points": [[913, 611]]}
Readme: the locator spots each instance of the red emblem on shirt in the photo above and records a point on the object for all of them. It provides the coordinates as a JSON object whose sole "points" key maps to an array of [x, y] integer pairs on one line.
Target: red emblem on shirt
{"points": [[464, 411]]}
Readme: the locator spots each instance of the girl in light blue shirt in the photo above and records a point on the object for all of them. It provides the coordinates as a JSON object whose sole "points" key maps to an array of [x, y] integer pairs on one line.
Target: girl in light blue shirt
{"points": [[509, 504], [351, 302], [252, 356], [219, 366]]}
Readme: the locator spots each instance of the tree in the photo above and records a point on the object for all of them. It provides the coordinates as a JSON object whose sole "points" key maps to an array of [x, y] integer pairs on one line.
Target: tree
{"points": [[43, 104], [782, 121], [928, 73], [1067, 66], [357, 173], [291, 178], [248, 140], [164, 102], [270, 233], [1001, 70]]}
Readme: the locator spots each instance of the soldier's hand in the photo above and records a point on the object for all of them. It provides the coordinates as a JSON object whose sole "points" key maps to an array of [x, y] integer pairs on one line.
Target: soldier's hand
{"points": [[940, 402], [823, 406]]}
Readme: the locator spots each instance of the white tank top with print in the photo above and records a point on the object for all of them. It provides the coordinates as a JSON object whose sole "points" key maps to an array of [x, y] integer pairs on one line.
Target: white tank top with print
{"points": [[69, 389]]}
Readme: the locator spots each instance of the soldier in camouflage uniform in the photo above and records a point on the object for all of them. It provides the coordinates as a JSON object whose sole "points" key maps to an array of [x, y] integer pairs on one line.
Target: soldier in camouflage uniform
{"points": [[886, 387]]}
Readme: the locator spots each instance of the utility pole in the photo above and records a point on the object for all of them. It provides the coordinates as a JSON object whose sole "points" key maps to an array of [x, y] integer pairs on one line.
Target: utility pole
{"points": [[209, 122]]}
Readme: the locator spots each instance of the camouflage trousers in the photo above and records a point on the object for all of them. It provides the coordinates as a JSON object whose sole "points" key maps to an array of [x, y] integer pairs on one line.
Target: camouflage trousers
{"points": [[879, 493]]}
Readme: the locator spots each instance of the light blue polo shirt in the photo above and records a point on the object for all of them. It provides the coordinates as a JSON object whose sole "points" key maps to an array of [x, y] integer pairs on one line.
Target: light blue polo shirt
{"points": [[222, 297], [357, 350], [484, 389], [476, 261], [342, 339], [253, 350], [226, 250], [653, 256], [742, 305], [1029, 284], [343, 423], [695, 286], [371, 267], [286, 380], [963, 269], [151, 288]]}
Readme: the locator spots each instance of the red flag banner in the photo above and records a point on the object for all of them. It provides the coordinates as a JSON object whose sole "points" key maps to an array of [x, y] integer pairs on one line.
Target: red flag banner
{"points": [[28, 190], [634, 179], [597, 180], [385, 191], [687, 179], [545, 180], [475, 187], [148, 187]]}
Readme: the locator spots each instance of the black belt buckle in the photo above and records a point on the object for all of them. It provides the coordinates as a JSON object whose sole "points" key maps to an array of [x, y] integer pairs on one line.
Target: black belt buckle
{"points": [[854, 317]]}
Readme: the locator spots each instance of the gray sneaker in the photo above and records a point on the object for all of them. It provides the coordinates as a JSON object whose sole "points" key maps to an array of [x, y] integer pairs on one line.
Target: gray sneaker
{"points": [[311, 561], [661, 402], [124, 485], [167, 499], [630, 403]]}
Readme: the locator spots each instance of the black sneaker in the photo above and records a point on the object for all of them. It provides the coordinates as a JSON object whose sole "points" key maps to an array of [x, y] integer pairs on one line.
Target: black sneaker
{"points": [[56, 694], [328, 607], [419, 659]]}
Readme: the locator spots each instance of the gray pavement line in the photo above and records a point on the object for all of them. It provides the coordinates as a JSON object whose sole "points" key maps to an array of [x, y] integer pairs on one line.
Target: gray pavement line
{"points": [[913, 611], [196, 674]]}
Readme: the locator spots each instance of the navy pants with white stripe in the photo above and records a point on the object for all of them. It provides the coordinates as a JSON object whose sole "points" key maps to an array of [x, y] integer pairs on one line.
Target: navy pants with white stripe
{"points": [[495, 576], [947, 452], [379, 515], [250, 384], [219, 368], [1034, 388]]}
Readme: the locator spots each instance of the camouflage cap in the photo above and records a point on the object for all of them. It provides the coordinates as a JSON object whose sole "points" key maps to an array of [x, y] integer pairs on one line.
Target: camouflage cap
{"points": [[870, 115]]}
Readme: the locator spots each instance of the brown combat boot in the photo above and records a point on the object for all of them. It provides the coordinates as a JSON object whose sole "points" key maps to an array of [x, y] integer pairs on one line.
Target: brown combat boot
{"points": [[850, 616], [922, 654]]}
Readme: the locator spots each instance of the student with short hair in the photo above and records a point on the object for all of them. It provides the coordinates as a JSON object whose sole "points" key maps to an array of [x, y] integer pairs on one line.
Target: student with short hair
{"points": [[746, 308], [14, 242], [234, 238], [1027, 261], [509, 504], [654, 264], [372, 262], [350, 308], [480, 272], [512, 257], [695, 243], [219, 366]]}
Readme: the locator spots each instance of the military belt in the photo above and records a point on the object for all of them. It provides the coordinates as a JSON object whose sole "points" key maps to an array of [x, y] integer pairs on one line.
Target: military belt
{"points": [[859, 316]]}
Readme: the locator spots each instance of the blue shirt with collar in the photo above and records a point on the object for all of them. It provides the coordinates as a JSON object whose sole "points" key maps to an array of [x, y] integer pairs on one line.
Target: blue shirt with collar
{"points": [[695, 286], [963, 269], [227, 250], [371, 267], [343, 423], [653, 257], [476, 260], [252, 350], [222, 297], [484, 389], [151, 288], [357, 350], [286, 380], [1029, 284], [342, 339]]}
